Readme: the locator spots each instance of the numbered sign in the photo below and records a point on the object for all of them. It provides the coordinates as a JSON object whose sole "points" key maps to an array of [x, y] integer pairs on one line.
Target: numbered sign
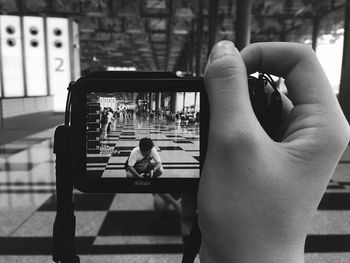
{"points": [[58, 60], [11, 54], [76, 51], [34, 50]]}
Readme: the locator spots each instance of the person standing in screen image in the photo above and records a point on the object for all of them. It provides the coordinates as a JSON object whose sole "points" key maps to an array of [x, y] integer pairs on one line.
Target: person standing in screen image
{"points": [[104, 123], [144, 160]]}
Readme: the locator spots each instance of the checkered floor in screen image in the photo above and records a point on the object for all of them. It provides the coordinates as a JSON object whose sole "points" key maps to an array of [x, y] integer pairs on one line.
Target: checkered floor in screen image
{"points": [[177, 145], [125, 227]]}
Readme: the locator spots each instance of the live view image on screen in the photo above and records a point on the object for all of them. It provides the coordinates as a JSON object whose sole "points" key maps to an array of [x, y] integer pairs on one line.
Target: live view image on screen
{"points": [[143, 135]]}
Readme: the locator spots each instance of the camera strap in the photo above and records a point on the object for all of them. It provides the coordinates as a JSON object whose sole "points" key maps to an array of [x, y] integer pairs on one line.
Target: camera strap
{"points": [[193, 243]]}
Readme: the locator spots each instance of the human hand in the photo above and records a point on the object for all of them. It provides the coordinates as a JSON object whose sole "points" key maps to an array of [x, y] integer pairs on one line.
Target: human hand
{"points": [[257, 196]]}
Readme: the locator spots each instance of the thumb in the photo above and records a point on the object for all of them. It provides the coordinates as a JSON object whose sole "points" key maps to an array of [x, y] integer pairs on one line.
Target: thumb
{"points": [[226, 84]]}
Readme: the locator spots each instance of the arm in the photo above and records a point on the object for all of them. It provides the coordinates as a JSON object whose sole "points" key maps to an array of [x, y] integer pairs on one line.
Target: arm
{"points": [[156, 158], [134, 172], [157, 166]]}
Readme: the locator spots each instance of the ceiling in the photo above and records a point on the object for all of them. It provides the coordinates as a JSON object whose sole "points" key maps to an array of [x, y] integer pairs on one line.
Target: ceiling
{"points": [[161, 34]]}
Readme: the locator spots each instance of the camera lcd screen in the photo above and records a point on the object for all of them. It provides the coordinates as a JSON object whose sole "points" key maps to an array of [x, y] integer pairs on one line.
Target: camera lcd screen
{"points": [[143, 135]]}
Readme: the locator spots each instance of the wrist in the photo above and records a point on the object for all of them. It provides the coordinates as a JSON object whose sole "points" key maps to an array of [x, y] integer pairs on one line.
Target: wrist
{"points": [[264, 254]]}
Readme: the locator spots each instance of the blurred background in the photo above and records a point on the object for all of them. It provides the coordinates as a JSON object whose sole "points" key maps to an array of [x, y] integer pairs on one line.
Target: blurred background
{"points": [[45, 44]]}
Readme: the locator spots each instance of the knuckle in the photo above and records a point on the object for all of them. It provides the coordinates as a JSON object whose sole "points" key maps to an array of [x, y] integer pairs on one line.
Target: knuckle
{"points": [[305, 48], [223, 68], [342, 137], [253, 46], [337, 135], [305, 51]]}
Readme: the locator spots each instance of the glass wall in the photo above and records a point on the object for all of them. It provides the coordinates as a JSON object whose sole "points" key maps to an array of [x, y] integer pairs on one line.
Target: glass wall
{"points": [[330, 46]]}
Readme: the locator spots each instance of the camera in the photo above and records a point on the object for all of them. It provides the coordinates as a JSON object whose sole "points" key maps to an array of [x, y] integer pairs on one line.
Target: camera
{"points": [[147, 132]]}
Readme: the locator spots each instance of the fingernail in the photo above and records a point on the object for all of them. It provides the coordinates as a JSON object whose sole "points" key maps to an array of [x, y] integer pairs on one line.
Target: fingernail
{"points": [[221, 49]]}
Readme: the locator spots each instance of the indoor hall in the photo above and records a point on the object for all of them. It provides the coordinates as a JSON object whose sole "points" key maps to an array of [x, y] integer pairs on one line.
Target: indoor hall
{"points": [[46, 44]]}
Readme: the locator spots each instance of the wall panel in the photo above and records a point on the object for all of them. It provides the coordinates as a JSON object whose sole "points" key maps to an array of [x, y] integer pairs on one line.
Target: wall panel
{"points": [[58, 60], [11, 56], [35, 61]]}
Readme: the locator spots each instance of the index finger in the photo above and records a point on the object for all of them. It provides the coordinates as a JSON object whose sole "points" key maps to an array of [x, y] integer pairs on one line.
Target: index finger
{"points": [[297, 63]]}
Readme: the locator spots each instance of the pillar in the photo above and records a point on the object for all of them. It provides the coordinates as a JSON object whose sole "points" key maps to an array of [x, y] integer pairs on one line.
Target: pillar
{"points": [[172, 102], [195, 100], [199, 38], [213, 23], [157, 100], [344, 89], [190, 50], [161, 100], [243, 21], [1, 115], [150, 101], [315, 29], [183, 101]]}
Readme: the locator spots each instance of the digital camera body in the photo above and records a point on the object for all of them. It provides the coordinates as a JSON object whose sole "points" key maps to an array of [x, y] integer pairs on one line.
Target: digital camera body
{"points": [[98, 164], [156, 105]]}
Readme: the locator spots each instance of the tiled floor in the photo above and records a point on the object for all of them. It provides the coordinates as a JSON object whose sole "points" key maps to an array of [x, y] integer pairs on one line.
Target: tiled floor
{"points": [[125, 227]]}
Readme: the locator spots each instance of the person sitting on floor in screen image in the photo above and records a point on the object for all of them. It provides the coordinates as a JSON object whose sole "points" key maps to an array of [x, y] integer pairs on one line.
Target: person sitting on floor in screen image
{"points": [[144, 161]]}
